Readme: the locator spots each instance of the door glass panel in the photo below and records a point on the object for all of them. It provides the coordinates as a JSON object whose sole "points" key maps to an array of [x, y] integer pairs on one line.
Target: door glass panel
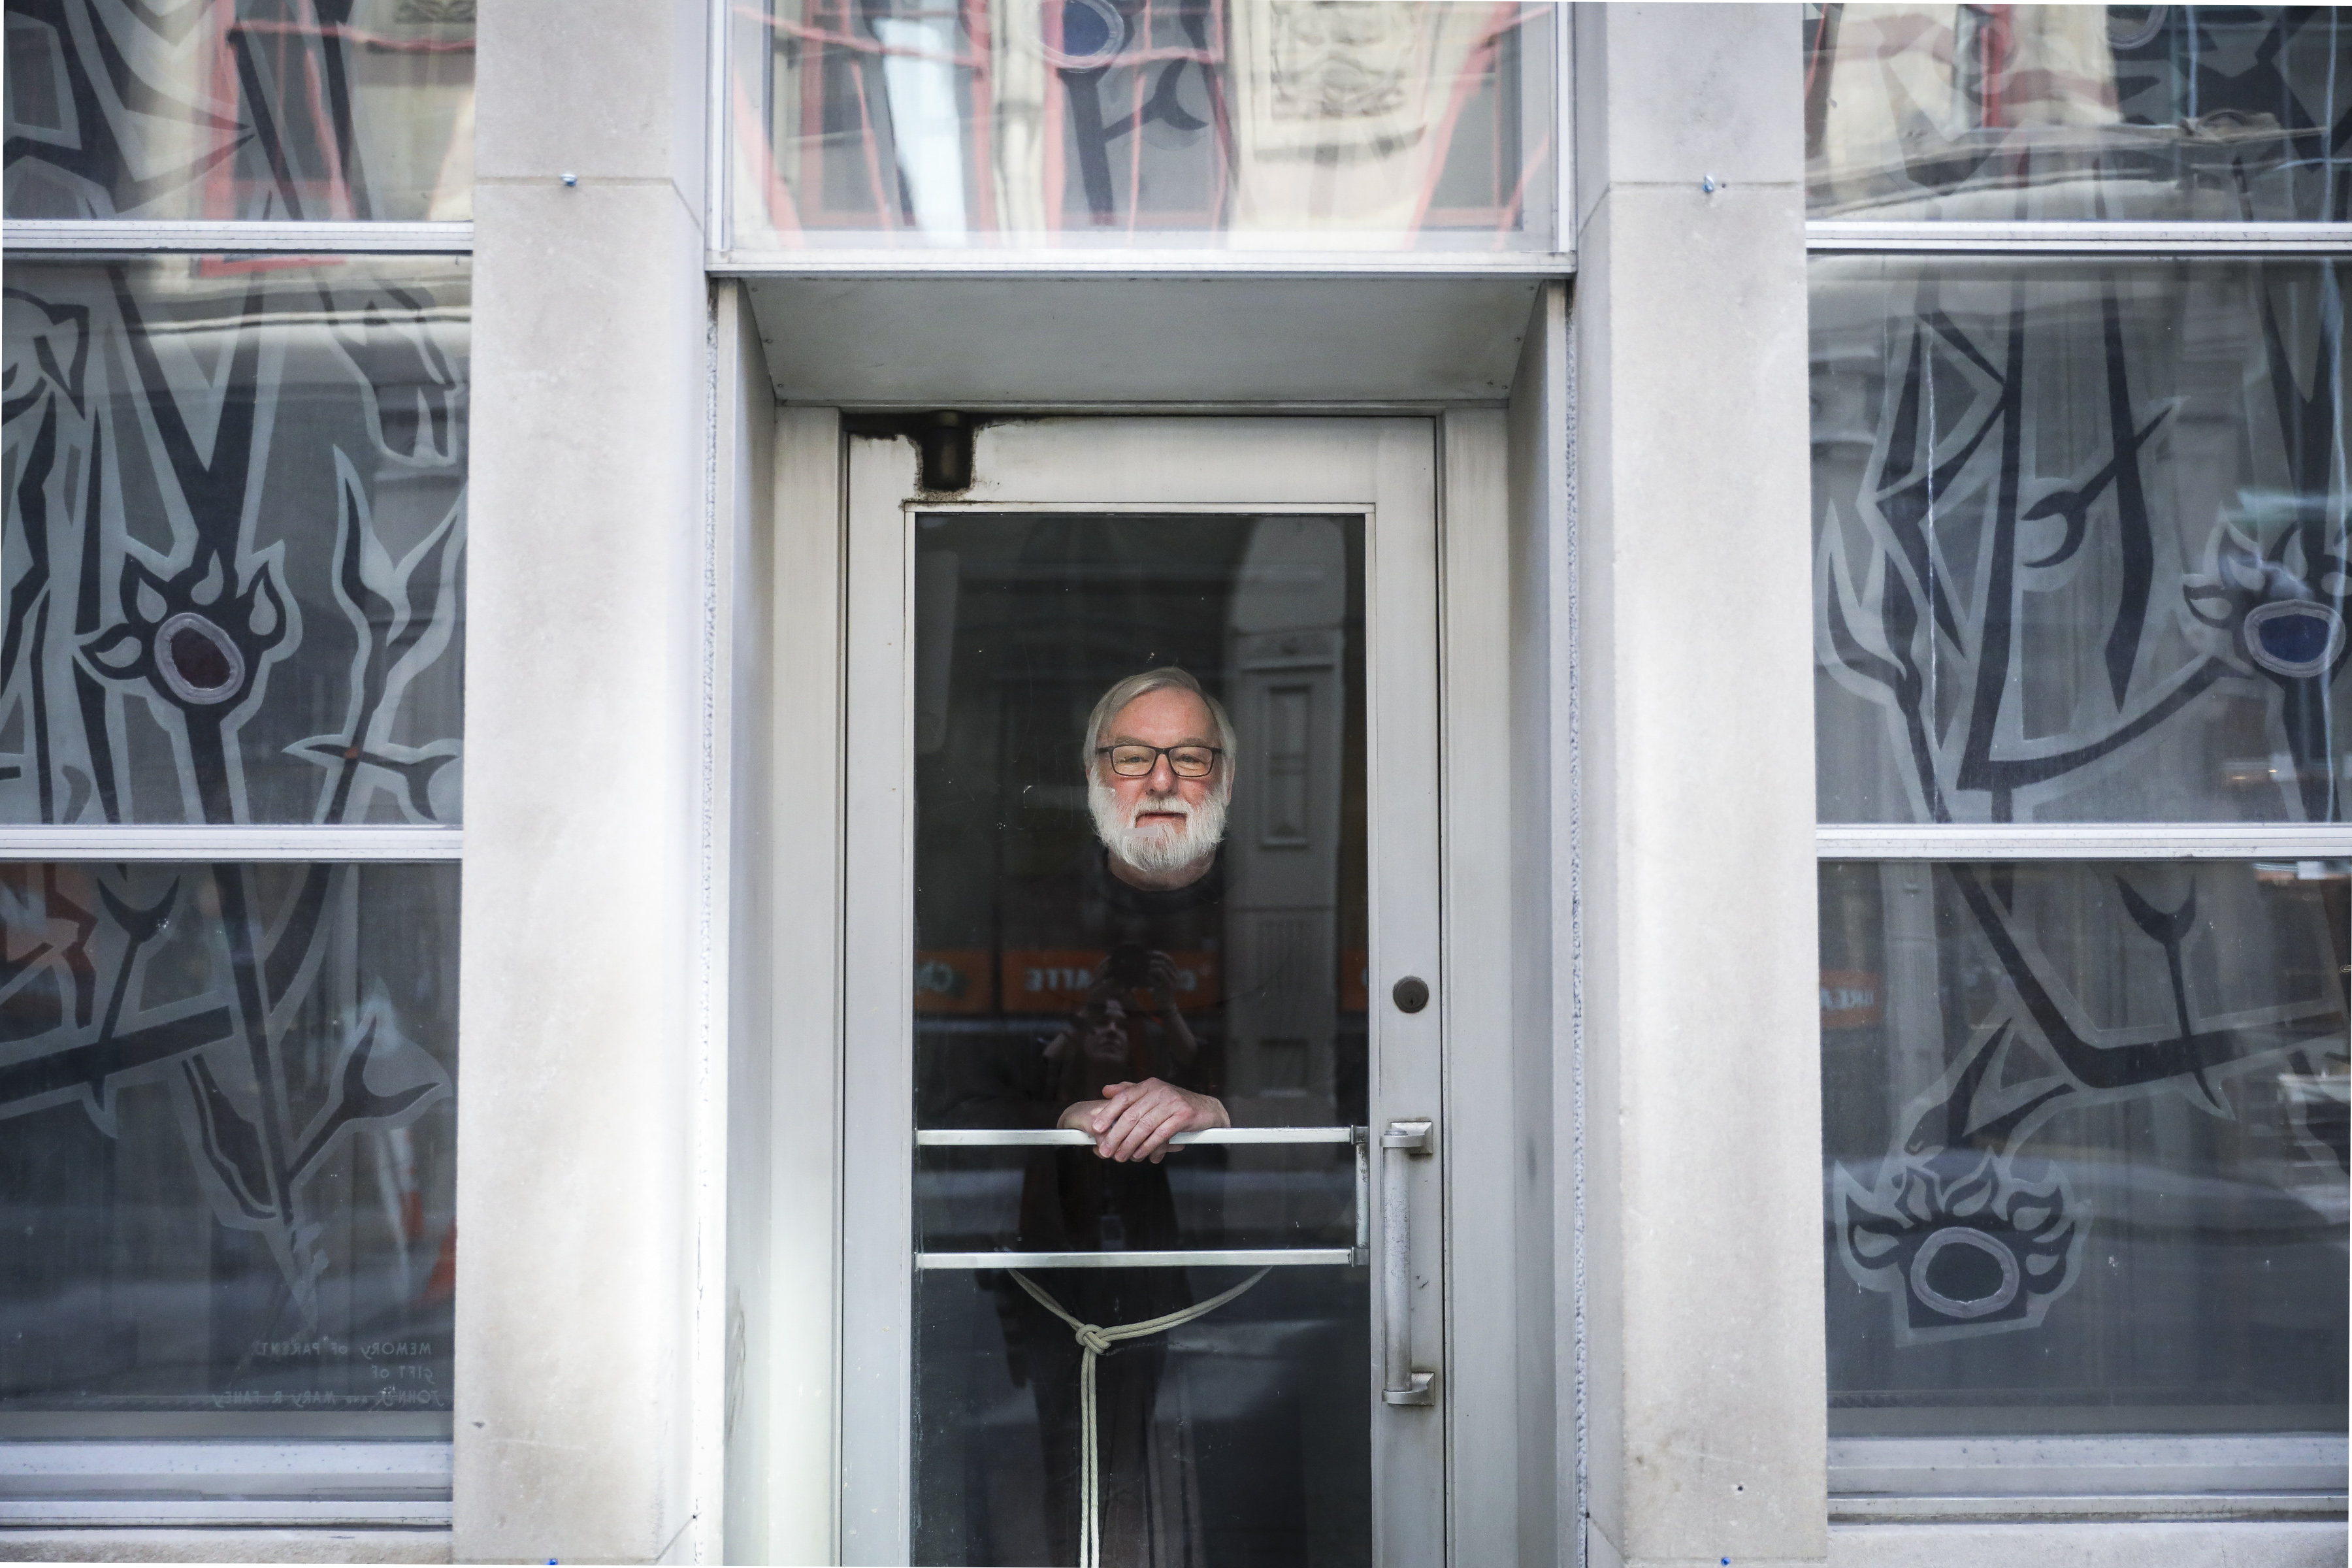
{"points": [[1198, 929], [1263, 124]]}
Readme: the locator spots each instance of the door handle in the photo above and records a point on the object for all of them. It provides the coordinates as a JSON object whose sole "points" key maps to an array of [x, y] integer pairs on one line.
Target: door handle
{"points": [[1404, 1382]]}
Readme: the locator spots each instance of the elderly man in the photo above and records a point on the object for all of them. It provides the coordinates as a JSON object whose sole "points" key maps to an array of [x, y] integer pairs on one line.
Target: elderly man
{"points": [[1158, 756], [1159, 774]]}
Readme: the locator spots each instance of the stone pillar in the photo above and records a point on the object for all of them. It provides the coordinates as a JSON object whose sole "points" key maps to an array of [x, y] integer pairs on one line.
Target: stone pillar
{"points": [[585, 1077], [1703, 1271]]}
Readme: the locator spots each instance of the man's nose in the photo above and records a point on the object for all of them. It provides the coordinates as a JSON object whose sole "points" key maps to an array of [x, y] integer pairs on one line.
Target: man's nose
{"points": [[1162, 778]]}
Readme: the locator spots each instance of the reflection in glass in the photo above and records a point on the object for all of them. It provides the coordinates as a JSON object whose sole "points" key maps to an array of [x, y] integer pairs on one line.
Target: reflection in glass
{"points": [[228, 1123], [2205, 113], [241, 109], [2080, 541], [1078, 930], [233, 550], [1272, 124], [2086, 1146]]}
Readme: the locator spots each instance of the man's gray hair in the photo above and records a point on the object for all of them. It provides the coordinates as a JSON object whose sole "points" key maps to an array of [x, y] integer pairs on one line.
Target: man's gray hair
{"points": [[1135, 686]]}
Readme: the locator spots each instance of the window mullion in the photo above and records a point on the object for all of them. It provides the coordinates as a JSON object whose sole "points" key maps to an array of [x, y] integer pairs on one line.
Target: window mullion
{"points": [[2117, 841]]}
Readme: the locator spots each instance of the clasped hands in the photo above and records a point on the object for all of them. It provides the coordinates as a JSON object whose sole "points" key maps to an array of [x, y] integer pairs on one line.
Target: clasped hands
{"points": [[1135, 1121]]}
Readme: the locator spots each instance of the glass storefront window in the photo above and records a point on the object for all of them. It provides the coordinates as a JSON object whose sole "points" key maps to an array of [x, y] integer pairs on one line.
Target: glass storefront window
{"points": [[241, 109], [2086, 1146], [1198, 930], [232, 588], [1245, 124], [2080, 546], [232, 567], [232, 563], [227, 1130], [2201, 113]]}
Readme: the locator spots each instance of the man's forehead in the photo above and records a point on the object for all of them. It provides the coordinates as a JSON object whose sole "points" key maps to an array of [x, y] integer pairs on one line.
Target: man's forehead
{"points": [[1159, 710]]}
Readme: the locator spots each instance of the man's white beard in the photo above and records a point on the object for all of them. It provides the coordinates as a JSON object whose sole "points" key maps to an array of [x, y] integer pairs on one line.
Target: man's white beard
{"points": [[1160, 850]]}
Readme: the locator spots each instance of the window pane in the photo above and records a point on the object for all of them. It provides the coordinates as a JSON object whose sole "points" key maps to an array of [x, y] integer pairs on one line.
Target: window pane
{"points": [[2209, 113], [241, 109], [2080, 541], [227, 1123], [1266, 125], [232, 558], [2086, 1130]]}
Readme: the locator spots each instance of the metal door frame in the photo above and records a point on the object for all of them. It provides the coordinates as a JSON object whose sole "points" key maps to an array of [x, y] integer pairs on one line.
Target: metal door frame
{"points": [[1385, 469]]}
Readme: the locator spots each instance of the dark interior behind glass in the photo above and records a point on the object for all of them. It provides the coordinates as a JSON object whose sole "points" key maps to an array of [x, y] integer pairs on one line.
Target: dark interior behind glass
{"points": [[1247, 1429]]}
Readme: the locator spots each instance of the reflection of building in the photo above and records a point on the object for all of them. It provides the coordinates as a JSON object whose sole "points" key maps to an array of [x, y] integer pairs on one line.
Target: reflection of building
{"points": [[1276, 123], [1994, 113], [472, 672], [1288, 656]]}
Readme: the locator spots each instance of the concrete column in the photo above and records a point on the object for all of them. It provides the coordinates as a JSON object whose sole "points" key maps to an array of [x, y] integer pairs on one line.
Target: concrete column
{"points": [[1703, 1270], [585, 1075]]}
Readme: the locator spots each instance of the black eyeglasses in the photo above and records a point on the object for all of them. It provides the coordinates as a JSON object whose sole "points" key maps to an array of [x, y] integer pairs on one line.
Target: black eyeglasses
{"points": [[1135, 762]]}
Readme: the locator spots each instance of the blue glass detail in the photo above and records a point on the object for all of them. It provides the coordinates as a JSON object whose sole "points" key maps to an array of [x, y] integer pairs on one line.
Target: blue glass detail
{"points": [[2297, 637], [1087, 31]]}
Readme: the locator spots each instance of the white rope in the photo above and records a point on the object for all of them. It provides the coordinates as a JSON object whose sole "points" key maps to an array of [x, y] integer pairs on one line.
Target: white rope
{"points": [[1094, 1339]]}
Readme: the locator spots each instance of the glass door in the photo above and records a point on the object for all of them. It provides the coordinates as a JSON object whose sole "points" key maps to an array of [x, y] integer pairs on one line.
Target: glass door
{"points": [[1142, 1249]]}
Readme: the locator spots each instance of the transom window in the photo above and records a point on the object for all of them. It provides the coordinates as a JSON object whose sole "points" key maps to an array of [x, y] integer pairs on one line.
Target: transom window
{"points": [[1263, 126]]}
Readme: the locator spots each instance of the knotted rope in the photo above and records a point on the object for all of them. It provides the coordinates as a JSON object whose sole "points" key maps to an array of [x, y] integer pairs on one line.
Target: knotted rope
{"points": [[1094, 1339]]}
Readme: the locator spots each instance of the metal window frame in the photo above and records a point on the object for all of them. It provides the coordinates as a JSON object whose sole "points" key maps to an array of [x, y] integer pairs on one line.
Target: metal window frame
{"points": [[2097, 841], [160, 844], [2198, 1478], [1172, 262], [69, 236], [2111, 1477], [219, 1482], [2080, 238], [211, 1483]]}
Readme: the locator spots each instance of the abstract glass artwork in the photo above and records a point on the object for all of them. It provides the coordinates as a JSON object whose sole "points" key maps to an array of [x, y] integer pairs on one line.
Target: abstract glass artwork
{"points": [[2080, 541], [2186, 113], [231, 571], [240, 109], [1267, 124], [2085, 1142], [227, 1130]]}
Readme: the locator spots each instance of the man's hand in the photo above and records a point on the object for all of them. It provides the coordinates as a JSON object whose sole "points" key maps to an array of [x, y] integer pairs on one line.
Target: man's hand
{"points": [[1135, 1121]]}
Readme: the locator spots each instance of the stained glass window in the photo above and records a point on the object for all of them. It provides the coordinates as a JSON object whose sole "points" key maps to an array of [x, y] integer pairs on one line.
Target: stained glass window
{"points": [[234, 540], [231, 599], [2080, 541], [227, 1127], [231, 591], [2081, 572], [2086, 1130]]}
